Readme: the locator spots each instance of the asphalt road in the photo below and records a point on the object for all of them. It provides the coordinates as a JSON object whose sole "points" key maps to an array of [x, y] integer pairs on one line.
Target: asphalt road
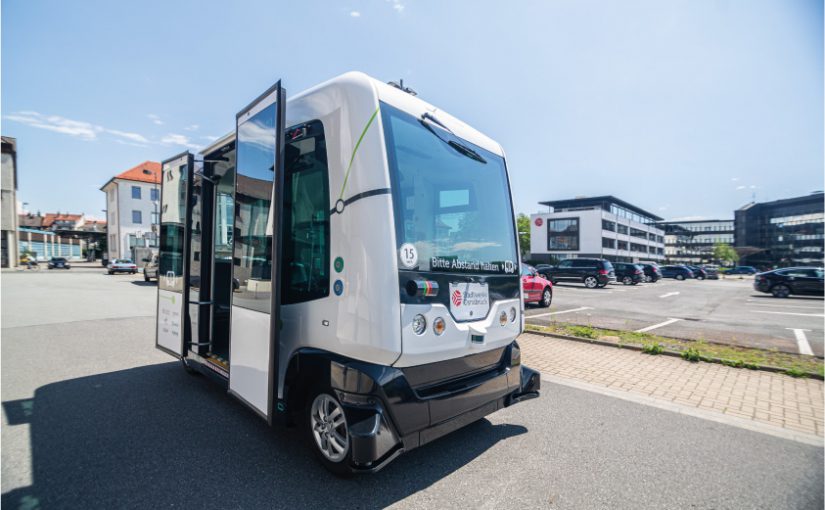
{"points": [[95, 417], [727, 311]]}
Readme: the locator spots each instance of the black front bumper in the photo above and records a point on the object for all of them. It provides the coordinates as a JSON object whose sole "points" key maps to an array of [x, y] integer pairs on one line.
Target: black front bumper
{"points": [[389, 415]]}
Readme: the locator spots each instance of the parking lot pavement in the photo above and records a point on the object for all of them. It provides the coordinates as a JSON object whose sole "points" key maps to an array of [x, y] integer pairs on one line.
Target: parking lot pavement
{"points": [[727, 311], [95, 417]]}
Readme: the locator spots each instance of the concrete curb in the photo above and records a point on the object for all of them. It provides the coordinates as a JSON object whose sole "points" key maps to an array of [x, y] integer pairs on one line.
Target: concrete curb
{"points": [[674, 354]]}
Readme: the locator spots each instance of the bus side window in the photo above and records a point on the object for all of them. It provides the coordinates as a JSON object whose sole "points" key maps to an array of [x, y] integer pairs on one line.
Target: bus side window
{"points": [[305, 262]]}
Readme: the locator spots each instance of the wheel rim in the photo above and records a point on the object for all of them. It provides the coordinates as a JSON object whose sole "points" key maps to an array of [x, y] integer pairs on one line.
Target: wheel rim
{"points": [[547, 298], [329, 427], [626, 280], [781, 291], [590, 282]]}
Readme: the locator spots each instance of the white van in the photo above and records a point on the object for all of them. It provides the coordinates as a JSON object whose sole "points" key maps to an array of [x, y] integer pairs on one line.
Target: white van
{"points": [[347, 262]]}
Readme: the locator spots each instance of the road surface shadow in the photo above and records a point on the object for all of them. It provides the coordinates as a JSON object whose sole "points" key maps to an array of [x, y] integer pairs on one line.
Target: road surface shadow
{"points": [[143, 283], [792, 297], [155, 436]]}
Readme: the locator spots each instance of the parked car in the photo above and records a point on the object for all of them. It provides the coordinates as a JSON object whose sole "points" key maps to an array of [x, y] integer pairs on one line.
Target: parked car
{"points": [[698, 272], [712, 271], [791, 280], [742, 270], [677, 271], [653, 273], [592, 272], [537, 289], [58, 263], [122, 266], [150, 268], [628, 274]]}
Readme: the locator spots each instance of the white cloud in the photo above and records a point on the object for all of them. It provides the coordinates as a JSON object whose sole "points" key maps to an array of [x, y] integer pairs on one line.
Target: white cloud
{"points": [[355, 14], [734, 179], [753, 186], [741, 187], [175, 139], [398, 5], [58, 124], [211, 138], [133, 137], [155, 119], [193, 127]]}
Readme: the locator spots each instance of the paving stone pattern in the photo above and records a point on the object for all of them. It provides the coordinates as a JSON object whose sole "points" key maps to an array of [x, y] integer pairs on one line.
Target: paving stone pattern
{"points": [[777, 399]]}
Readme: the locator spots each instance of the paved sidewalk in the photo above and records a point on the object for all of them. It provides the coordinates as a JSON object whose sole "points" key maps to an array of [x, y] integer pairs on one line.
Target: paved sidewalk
{"points": [[763, 397]]}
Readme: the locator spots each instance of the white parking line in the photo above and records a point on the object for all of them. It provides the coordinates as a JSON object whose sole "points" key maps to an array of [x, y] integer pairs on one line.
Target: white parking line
{"points": [[802, 341], [791, 313], [650, 328], [557, 313], [669, 294]]}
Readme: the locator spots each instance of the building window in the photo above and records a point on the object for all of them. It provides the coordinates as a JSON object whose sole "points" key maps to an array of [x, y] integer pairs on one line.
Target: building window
{"points": [[563, 234], [623, 245], [154, 194], [155, 218], [137, 217], [608, 225], [635, 232], [136, 192], [608, 243], [622, 229]]}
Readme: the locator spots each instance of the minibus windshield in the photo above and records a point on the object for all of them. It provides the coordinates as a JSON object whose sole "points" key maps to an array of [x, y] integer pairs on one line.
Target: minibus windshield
{"points": [[452, 211]]}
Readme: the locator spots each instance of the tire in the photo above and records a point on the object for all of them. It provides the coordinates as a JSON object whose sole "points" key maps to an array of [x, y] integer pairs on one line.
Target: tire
{"points": [[700, 278], [680, 277], [648, 279], [324, 436], [781, 291], [591, 282], [627, 280], [145, 277], [546, 298], [111, 272], [635, 283]]}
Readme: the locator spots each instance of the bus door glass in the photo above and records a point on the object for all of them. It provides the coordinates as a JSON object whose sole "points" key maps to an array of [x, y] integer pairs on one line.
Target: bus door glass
{"points": [[256, 298], [200, 263], [219, 165], [176, 179]]}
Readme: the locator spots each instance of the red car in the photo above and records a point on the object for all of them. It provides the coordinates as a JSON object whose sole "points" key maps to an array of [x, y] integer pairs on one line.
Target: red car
{"points": [[536, 289]]}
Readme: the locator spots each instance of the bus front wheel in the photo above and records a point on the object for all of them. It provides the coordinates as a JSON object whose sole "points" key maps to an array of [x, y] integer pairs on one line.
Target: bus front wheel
{"points": [[328, 432]]}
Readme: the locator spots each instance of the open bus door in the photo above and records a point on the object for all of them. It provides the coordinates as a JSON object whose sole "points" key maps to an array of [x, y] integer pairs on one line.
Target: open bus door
{"points": [[255, 312], [173, 254]]}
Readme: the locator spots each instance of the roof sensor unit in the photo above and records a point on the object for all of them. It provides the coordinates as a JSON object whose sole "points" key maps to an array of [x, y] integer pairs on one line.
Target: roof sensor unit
{"points": [[400, 86]]}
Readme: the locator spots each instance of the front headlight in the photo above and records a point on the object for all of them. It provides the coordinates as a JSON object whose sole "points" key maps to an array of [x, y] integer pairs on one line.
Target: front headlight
{"points": [[419, 324], [512, 314]]}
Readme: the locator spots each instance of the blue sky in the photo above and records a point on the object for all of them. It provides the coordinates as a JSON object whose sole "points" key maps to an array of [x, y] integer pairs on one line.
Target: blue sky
{"points": [[684, 108]]}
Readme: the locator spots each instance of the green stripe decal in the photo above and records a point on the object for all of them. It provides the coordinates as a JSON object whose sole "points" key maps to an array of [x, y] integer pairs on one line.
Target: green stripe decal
{"points": [[351, 159]]}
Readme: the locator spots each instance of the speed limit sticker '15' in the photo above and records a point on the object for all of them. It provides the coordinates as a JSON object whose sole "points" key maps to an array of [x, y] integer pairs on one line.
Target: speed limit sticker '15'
{"points": [[408, 255]]}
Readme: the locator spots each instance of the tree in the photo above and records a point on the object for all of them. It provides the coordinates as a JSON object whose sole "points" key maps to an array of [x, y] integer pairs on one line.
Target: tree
{"points": [[725, 253], [523, 225]]}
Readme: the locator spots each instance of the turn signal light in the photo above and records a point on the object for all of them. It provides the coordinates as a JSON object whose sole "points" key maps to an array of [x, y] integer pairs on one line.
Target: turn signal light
{"points": [[502, 318], [439, 326]]}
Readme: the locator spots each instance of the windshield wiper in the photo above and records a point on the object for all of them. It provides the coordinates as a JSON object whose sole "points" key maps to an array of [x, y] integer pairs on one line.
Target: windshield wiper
{"points": [[462, 149]]}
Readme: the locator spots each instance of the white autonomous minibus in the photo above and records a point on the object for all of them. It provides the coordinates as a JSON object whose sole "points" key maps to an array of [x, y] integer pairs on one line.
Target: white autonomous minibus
{"points": [[347, 262]]}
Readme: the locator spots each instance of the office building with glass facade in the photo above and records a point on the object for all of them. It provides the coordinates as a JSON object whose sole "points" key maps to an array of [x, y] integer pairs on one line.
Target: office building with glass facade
{"points": [[601, 227], [692, 242], [782, 233]]}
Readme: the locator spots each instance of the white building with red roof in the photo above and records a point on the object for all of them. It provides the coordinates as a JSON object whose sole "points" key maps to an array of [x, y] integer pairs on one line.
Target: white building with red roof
{"points": [[132, 210]]}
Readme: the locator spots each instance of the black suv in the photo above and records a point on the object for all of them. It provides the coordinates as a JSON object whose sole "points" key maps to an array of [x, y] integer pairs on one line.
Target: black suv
{"points": [[791, 280], [592, 272], [679, 272], [698, 272], [629, 274], [652, 273]]}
